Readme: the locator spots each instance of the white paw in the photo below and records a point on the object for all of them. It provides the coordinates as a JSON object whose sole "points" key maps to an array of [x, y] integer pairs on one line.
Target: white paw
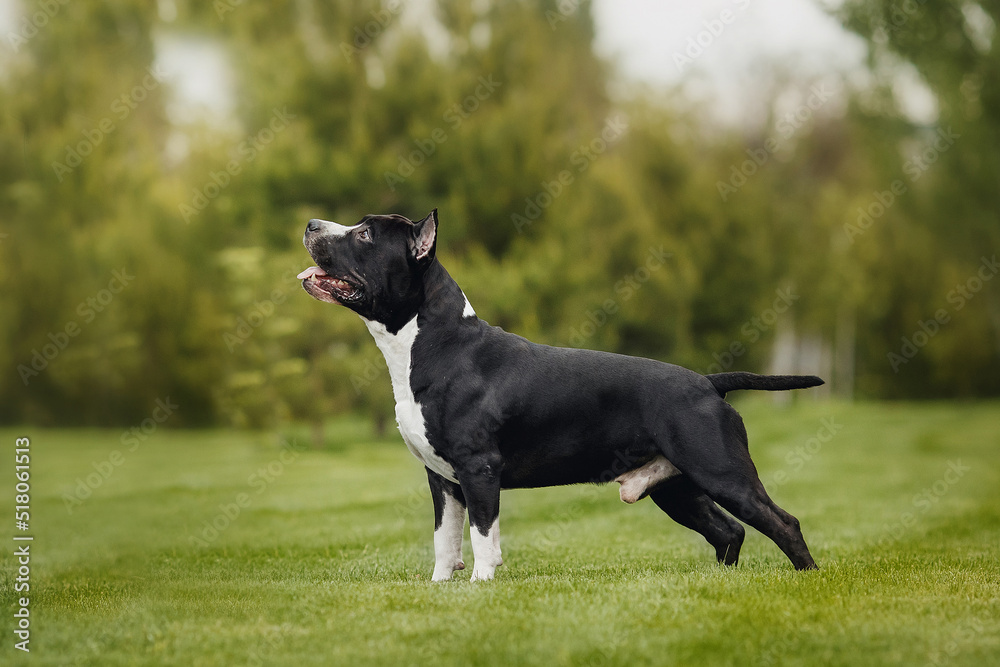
{"points": [[444, 572], [483, 569]]}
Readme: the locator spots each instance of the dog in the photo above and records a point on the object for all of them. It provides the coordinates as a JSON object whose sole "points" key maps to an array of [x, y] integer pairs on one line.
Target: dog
{"points": [[484, 410]]}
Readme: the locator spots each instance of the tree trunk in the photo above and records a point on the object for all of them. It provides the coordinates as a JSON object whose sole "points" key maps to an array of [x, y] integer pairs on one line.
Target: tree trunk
{"points": [[316, 430], [843, 364], [380, 424]]}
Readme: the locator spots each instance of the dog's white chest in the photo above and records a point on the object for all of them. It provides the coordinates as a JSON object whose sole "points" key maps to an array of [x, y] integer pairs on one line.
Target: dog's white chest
{"points": [[397, 349]]}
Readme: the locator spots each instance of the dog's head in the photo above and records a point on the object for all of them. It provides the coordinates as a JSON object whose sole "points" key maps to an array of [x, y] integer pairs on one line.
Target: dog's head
{"points": [[376, 267]]}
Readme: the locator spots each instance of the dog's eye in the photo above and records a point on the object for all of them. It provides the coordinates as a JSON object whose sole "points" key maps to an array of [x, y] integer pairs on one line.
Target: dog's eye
{"points": [[365, 234]]}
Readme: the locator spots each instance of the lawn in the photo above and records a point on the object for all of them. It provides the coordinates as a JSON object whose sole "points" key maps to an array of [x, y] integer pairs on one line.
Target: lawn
{"points": [[323, 557]]}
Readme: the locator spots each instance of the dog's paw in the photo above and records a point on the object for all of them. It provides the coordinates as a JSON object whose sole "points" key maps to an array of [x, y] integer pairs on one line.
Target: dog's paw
{"points": [[484, 571], [482, 574], [444, 572]]}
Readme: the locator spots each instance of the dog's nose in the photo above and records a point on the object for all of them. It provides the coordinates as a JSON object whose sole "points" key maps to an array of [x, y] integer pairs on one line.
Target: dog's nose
{"points": [[313, 226]]}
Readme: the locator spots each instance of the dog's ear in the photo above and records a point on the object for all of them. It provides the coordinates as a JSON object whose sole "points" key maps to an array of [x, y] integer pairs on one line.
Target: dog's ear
{"points": [[423, 237]]}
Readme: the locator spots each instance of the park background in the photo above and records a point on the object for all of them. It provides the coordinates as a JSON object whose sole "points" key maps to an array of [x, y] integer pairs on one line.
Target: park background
{"points": [[837, 216], [554, 178]]}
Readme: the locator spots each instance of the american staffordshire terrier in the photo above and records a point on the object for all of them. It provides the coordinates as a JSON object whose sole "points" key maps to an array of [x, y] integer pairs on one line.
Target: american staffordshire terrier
{"points": [[486, 410]]}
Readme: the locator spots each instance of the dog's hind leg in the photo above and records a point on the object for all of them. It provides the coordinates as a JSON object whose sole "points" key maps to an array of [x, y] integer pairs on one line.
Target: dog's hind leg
{"points": [[752, 505], [744, 496], [717, 459], [689, 506], [449, 526]]}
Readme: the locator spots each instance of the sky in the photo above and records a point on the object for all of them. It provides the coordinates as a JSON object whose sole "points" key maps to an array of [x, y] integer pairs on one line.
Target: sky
{"points": [[660, 41], [725, 52], [731, 55]]}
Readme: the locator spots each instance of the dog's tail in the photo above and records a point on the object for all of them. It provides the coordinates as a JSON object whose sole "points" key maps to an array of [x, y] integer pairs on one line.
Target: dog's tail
{"points": [[726, 382]]}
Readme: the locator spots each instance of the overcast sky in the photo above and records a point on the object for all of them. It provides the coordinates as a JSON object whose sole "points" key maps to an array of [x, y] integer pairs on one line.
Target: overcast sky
{"points": [[650, 36], [723, 51], [716, 48]]}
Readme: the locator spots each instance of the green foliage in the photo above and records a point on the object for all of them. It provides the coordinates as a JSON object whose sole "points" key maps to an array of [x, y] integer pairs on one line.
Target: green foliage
{"points": [[566, 216], [946, 222]]}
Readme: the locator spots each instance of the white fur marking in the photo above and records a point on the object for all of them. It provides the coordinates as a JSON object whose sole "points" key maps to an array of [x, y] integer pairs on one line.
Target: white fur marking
{"points": [[333, 229], [469, 310], [397, 349], [486, 551], [635, 483], [448, 540]]}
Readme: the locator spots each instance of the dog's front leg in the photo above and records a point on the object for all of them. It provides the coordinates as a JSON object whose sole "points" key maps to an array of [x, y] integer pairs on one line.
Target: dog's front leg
{"points": [[449, 526], [480, 482]]}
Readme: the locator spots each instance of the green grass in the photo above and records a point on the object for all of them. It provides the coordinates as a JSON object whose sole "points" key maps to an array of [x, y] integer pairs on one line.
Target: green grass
{"points": [[329, 564]]}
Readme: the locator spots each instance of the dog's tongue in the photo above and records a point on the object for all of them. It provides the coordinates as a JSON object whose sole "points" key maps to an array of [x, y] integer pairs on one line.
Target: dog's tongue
{"points": [[310, 272]]}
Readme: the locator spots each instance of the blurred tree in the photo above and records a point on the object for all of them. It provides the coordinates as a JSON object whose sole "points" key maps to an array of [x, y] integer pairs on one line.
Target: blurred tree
{"points": [[149, 253], [947, 221], [101, 314]]}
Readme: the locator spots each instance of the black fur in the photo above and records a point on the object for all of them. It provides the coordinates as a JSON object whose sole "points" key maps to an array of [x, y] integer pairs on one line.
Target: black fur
{"points": [[726, 382]]}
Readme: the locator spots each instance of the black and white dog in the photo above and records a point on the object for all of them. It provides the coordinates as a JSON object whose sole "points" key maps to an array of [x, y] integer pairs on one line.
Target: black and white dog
{"points": [[486, 410]]}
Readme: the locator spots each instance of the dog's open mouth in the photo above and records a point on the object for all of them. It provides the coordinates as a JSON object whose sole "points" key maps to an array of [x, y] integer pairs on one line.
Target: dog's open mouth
{"points": [[315, 279]]}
